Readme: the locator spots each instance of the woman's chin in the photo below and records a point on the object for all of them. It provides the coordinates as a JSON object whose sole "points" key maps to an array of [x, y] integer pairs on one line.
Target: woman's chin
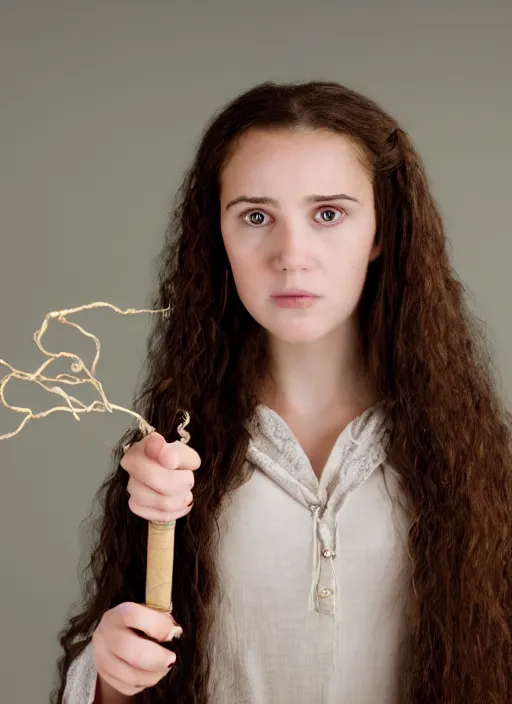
{"points": [[294, 336]]}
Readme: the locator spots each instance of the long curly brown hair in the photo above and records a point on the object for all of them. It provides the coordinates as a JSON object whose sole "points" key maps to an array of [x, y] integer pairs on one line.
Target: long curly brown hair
{"points": [[451, 433]]}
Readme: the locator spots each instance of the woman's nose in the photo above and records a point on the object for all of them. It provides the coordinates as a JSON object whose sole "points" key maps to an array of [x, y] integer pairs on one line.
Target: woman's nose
{"points": [[290, 251]]}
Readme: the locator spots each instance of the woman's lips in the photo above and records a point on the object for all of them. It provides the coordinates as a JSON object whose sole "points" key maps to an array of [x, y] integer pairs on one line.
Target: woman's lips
{"points": [[294, 299]]}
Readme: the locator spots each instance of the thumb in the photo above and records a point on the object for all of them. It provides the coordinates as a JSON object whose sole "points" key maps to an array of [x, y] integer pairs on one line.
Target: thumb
{"points": [[174, 631], [155, 624], [160, 626], [153, 445]]}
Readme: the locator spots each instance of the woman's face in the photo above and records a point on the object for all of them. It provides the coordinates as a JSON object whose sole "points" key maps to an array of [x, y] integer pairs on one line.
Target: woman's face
{"points": [[297, 214]]}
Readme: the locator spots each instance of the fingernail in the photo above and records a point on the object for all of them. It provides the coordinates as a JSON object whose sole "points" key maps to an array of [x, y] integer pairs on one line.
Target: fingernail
{"points": [[172, 662], [175, 632]]}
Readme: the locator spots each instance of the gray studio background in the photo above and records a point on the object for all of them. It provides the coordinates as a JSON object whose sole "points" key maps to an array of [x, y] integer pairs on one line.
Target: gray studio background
{"points": [[101, 106]]}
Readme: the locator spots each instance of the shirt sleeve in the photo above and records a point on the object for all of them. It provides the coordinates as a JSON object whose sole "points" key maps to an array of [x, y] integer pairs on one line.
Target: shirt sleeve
{"points": [[81, 679]]}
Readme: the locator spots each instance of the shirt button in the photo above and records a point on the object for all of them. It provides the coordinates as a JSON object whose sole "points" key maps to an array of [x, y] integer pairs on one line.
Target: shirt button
{"points": [[327, 553], [324, 593]]}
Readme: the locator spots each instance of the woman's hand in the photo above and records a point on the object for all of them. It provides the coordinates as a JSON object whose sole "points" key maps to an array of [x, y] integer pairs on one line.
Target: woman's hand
{"points": [[161, 478], [126, 661]]}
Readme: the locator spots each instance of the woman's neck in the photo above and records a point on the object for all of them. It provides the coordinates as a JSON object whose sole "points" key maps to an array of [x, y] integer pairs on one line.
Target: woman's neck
{"points": [[314, 379]]}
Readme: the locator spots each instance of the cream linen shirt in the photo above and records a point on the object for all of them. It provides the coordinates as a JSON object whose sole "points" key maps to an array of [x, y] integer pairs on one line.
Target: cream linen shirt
{"points": [[314, 575]]}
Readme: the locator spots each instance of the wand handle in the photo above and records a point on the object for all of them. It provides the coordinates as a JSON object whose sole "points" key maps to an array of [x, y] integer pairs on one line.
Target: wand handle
{"points": [[160, 552], [160, 563]]}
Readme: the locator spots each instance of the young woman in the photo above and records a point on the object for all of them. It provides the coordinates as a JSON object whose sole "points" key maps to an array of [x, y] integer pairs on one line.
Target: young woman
{"points": [[349, 538]]}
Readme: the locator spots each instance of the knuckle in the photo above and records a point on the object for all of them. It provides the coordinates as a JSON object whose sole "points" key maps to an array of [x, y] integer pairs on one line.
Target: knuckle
{"points": [[134, 507], [189, 479], [127, 463], [126, 611], [107, 619], [176, 503], [136, 490]]}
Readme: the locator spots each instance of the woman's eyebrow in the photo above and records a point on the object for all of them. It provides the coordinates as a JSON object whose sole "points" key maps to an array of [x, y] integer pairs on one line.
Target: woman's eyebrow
{"points": [[263, 200]]}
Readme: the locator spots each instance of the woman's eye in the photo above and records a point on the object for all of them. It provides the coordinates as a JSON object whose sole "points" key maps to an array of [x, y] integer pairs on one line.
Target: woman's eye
{"points": [[329, 215], [255, 217]]}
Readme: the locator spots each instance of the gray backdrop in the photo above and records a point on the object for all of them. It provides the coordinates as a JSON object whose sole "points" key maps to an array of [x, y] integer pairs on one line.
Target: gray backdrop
{"points": [[102, 103]]}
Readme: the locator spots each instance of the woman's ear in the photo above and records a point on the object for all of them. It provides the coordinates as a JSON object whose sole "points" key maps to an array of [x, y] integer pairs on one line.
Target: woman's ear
{"points": [[376, 251]]}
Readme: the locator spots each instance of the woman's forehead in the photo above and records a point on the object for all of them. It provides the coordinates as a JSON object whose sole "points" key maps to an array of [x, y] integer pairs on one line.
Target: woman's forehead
{"points": [[319, 161]]}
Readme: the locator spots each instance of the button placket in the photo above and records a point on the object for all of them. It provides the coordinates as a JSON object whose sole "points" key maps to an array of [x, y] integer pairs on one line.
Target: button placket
{"points": [[324, 580], [326, 587]]}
